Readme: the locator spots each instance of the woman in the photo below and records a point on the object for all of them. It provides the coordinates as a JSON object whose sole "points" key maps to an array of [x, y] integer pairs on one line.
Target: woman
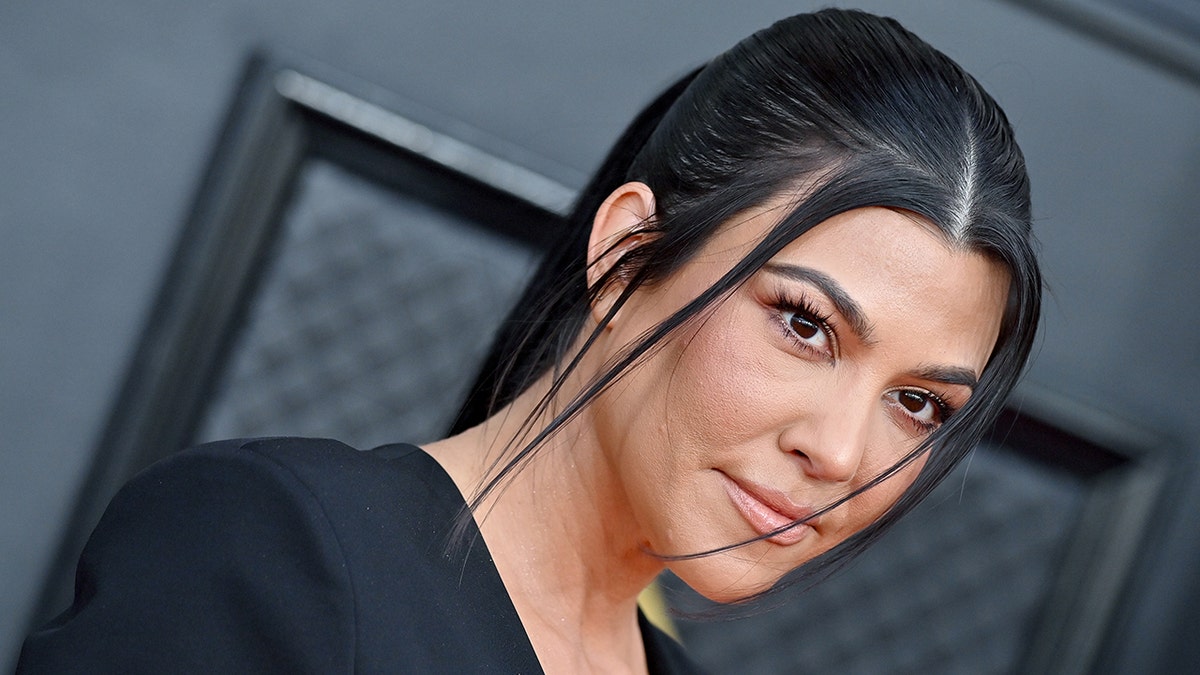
{"points": [[796, 293]]}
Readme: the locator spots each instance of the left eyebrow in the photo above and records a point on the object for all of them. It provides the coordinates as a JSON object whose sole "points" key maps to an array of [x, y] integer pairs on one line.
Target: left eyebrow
{"points": [[949, 375]]}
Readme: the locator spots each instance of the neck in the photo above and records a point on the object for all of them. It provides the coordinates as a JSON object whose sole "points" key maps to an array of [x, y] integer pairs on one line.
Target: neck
{"points": [[561, 537]]}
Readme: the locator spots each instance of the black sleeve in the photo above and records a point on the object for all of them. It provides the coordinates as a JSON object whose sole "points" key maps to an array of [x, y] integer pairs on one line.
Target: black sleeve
{"points": [[215, 560]]}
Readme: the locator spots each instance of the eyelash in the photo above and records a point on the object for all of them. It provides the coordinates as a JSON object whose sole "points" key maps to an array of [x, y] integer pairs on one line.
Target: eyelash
{"points": [[801, 306]]}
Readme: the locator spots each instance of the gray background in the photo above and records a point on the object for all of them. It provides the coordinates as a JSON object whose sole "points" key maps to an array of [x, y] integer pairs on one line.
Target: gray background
{"points": [[108, 112]]}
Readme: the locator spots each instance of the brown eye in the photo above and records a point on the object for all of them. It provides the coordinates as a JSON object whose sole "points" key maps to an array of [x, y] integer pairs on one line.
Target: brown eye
{"points": [[912, 401], [807, 330], [804, 328], [923, 408]]}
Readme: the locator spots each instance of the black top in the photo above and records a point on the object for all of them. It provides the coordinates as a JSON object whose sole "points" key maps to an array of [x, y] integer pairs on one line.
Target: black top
{"points": [[291, 555]]}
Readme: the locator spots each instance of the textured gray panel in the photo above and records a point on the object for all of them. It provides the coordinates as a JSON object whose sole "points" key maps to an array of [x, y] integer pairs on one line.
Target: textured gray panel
{"points": [[370, 321], [954, 588]]}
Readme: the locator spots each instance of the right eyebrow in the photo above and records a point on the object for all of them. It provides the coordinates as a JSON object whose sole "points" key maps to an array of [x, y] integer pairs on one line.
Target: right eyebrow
{"points": [[847, 306], [950, 375]]}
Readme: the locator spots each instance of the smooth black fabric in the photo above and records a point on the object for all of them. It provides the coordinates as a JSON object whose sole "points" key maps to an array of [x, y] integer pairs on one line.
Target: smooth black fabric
{"points": [[291, 555]]}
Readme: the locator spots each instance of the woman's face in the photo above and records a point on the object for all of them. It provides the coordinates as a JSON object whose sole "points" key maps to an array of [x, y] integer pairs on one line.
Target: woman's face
{"points": [[830, 364]]}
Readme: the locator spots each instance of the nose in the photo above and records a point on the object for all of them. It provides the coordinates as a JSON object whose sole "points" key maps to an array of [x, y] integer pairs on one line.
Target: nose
{"points": [[832, 441]]}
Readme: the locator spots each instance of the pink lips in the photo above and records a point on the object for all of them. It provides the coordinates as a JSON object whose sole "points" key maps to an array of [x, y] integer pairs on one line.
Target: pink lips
{"points": [[767, 510]]}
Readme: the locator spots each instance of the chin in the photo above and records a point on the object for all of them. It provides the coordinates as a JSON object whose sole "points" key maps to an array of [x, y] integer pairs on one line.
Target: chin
{"points": [[732, 576], [729, 594]]}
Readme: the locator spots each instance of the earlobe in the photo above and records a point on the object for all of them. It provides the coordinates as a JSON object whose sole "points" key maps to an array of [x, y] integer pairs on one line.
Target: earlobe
{"points": [[618, 227]]}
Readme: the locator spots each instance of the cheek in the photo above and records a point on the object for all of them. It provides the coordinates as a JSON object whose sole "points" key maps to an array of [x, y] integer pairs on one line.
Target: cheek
{"points": [[725, 382], [869, 506]]}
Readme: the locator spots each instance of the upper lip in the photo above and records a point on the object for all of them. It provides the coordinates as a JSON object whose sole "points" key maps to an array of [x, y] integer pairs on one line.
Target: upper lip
{"points": [[775, 499]]}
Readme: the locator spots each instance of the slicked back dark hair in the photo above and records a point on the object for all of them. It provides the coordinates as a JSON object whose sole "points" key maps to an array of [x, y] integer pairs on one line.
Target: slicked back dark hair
{"points": [[854, 109]]}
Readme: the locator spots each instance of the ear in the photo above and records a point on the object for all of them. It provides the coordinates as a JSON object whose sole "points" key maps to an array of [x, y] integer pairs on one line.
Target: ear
{"points": [[616, 232]]}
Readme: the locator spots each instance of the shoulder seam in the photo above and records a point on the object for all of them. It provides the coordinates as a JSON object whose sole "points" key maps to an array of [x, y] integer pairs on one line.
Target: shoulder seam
{"points": [[329, 524]]}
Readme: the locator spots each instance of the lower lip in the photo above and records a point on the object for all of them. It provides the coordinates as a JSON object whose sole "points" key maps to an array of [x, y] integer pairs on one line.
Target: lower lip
{"points": [[763, 518]]}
